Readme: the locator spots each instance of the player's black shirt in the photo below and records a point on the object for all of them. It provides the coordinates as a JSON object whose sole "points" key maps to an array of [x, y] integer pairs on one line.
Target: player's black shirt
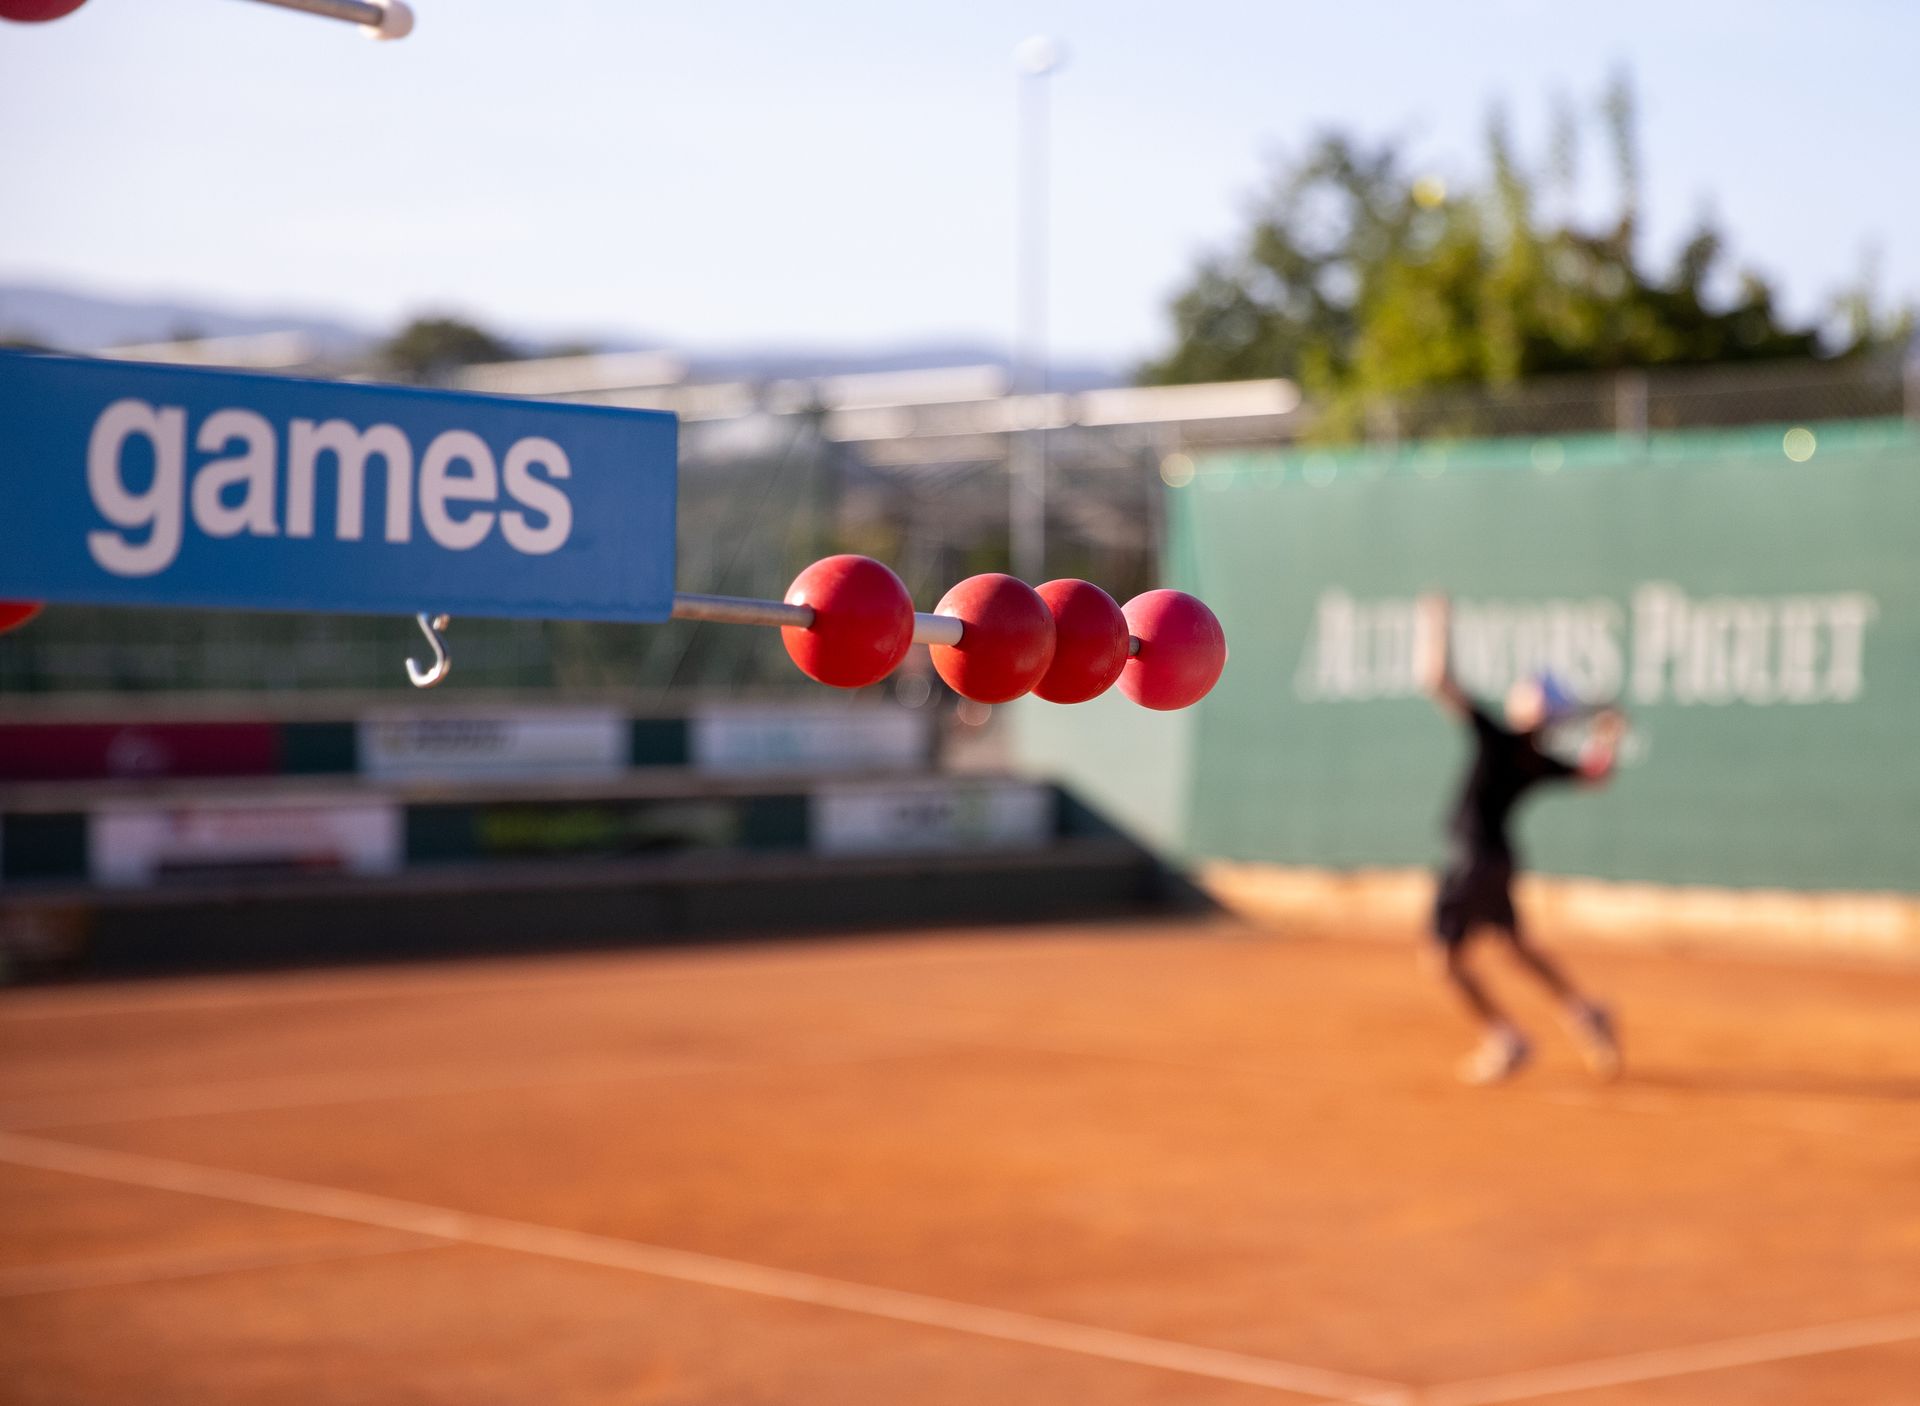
{"points": [[1505, 765]]}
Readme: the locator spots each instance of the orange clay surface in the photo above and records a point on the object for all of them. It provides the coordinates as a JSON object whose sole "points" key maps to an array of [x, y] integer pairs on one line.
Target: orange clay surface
{"points": [[1116, 1164]]}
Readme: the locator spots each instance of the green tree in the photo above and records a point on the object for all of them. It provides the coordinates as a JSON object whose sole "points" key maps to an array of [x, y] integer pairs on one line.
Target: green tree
{"points": [[1363, 281], [428, 348]]}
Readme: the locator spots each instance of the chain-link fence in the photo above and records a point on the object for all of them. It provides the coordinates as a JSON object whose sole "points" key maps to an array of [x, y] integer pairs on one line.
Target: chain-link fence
{"points": [[1639, 402]]}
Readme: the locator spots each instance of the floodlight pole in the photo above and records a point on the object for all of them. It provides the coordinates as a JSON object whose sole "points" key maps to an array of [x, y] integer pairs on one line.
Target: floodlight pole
{"points": [[1911, 377], [1035, 61]]}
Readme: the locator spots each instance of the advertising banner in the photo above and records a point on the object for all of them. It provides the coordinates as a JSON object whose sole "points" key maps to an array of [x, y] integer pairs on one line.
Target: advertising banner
{"points": [[932, 815], [474, 743], [126, 484], [744, 739], [1750, 598], [134, 845]]}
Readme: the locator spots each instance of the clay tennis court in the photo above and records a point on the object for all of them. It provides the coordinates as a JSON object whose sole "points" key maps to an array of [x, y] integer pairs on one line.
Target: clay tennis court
{"points": [[1117, 1164]]}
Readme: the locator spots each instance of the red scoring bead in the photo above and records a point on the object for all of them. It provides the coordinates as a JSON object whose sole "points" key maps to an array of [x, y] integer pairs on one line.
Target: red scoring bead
{"points": [[862, 621], [35, 11], [1006, 645], [1089, 642], [1182, 650], [15, 613]]}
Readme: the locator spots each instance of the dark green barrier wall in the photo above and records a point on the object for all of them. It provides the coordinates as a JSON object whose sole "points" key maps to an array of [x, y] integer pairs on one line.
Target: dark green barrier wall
{"points": [[1759, 616]]}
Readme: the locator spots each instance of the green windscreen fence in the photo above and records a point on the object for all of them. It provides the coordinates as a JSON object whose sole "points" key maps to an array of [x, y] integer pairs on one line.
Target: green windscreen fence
{"points": [[1752, 598]]}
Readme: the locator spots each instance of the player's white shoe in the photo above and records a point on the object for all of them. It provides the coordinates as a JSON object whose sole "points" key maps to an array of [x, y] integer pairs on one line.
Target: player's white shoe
{"points": [[1503, 1054], [1599, 1042]]}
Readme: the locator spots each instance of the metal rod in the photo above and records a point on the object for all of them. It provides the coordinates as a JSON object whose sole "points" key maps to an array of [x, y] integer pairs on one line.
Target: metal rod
{"points": [[378, 19], [738, 610], [743, 610], [936, 629], [352, 11], [720, 610]]}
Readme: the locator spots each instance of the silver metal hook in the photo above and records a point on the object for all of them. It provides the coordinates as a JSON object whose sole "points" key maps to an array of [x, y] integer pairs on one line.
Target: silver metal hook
{"points": [[431, 626]]}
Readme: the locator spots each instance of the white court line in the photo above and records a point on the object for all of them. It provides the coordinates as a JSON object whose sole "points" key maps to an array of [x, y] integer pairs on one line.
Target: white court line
{"points": [[1676, 1362], [685, 1266], [117, 1273]]}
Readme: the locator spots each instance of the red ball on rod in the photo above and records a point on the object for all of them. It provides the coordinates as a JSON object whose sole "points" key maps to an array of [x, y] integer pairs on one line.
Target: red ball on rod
{"points": [[15, 613], [37, 11], [1182, 650], [862, 621], [1089, 641], [1007, 642]]}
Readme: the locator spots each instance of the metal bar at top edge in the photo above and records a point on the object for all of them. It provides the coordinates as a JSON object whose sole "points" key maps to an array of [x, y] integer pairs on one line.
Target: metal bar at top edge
{"points": [[363, 12]]}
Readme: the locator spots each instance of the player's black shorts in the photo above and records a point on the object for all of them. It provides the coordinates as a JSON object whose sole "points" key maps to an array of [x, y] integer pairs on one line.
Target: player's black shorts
{"points": [[1476, 890]]}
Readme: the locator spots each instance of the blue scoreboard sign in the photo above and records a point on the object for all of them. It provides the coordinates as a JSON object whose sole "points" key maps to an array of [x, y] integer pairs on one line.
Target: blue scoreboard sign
{"points": [[124, 484]]}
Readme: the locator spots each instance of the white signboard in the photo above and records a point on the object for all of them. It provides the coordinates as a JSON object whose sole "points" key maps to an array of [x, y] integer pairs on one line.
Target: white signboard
{"points": [[934, 815], [748, 739], [131, 846], [491, 743]]}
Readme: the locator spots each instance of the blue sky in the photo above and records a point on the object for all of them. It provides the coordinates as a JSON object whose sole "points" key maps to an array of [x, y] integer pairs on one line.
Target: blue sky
{"points": [[733, 172]]}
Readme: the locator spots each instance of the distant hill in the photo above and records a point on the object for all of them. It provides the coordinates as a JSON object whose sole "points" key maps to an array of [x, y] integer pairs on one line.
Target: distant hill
{"points": [[71, 321], [81, 322]]}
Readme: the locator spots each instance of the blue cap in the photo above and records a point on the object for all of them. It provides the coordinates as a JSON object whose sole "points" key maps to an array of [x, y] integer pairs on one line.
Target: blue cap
{"points": [[1555, 698]]}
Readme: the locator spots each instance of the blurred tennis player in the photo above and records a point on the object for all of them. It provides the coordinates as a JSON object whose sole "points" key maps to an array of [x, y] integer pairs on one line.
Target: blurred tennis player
{"points": [[1476, 888]]}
